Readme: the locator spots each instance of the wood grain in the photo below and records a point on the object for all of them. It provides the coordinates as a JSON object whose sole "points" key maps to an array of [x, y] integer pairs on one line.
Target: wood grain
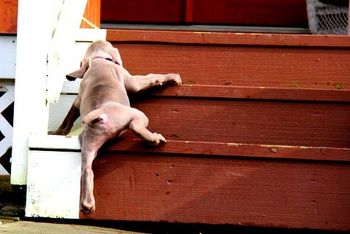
{"points": [[259, 134], [226, 38], [233, 150], [256, 122], [295, 67], [289, 13], [178, 188], [8, 16], [248, 92], [142, 11], [92, 13]]}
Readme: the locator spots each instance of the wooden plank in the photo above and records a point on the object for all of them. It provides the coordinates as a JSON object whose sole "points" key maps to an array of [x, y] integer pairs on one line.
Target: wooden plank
{"points": [[261, 93], [290, 13], [227, 12], [8, 16], [236, 92], [32, 43], [226, 149], [8, 57], [252, 122], [92, 13], [227, 38], [189, 11], [286, 67], [61, 45], [54, 143], [53, 188], [142, 11], [148, 187]]}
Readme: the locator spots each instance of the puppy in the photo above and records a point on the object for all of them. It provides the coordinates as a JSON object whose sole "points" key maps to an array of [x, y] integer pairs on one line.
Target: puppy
{"points": [[104, 107]]}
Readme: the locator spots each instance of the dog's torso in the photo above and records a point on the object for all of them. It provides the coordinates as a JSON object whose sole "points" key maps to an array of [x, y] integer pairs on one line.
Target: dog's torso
{"points": [[102, 83], [104, 107]]}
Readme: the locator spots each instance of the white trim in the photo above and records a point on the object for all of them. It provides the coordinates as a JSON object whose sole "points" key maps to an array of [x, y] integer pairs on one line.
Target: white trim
{"points": [[53, 188], [53, 142], [87, 34], [8, 57]]}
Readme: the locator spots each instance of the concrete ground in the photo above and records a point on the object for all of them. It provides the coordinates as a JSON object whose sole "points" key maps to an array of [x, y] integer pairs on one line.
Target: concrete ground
{"points": [[13, 226]]}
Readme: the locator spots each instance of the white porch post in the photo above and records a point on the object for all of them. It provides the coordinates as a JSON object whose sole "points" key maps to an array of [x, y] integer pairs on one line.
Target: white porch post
{"points": [[46, 35], [30, 111]]}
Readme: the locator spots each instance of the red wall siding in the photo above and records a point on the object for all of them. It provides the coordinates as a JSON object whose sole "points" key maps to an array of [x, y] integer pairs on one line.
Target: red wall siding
{"points": [[144, 11], [231, 12], [251, 12]]}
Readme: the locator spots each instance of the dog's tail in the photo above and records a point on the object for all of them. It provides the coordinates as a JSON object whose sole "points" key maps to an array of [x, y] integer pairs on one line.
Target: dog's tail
{"points": [[95, 117]]}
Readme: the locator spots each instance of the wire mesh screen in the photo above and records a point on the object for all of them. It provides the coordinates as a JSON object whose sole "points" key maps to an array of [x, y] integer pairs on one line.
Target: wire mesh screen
{"points": [[327, 18]]}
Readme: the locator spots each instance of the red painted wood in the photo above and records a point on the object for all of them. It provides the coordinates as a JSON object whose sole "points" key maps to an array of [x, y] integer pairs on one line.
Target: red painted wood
{"points": [[290, 13], [8, 16], [233, 150], [253, 122], [227, 38], [189, 11], [259, 134], [142, 11], [179, 188], [92, 13], [254, 66], [261, 93]]}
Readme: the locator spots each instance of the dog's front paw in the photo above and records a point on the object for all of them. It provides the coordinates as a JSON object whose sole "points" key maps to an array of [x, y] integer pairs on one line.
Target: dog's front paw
{"points": [[175, 78], [58, 132], [157, 139]]}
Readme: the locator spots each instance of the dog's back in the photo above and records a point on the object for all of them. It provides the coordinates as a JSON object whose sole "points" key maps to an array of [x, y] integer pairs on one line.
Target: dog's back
{"points": [[102, 83]]}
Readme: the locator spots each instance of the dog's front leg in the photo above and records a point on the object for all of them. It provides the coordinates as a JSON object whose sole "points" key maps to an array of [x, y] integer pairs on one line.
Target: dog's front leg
{"points": [[138, 83], [68, 121]]}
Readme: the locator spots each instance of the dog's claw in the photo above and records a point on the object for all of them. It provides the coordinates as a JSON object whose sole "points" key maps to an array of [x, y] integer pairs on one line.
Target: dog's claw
{"points": [[157, 139], [174, 78], [87, 210]]}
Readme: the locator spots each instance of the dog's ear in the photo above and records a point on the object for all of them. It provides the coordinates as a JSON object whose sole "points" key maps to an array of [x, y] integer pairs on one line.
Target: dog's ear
{"points": [[78, 73], [116, 56]]}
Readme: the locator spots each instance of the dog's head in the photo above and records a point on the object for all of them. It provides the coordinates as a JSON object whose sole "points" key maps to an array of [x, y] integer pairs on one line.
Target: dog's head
{"points": [[96, 49]]}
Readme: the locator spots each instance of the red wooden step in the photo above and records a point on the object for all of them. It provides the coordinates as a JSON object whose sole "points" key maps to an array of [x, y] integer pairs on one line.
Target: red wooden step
{"points": [[258, 135]]}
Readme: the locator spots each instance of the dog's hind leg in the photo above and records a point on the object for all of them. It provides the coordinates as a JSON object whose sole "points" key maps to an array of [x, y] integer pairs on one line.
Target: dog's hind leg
{"points": [[90, 144], [139, 125]]}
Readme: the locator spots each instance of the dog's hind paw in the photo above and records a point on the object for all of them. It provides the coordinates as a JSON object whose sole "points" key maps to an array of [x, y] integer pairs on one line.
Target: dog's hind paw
{"points": [[157, 139], [87, 209], [173, 78]]}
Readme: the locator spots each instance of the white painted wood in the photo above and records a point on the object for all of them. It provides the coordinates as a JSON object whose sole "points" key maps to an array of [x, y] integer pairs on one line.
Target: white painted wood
{"points": [[71, 87], [62, 44], [6, 86], [53, 188], [59, 110], [33, 36], [88, 34], [53, 142], [5, 127], [7, 57], [35, 42]]}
